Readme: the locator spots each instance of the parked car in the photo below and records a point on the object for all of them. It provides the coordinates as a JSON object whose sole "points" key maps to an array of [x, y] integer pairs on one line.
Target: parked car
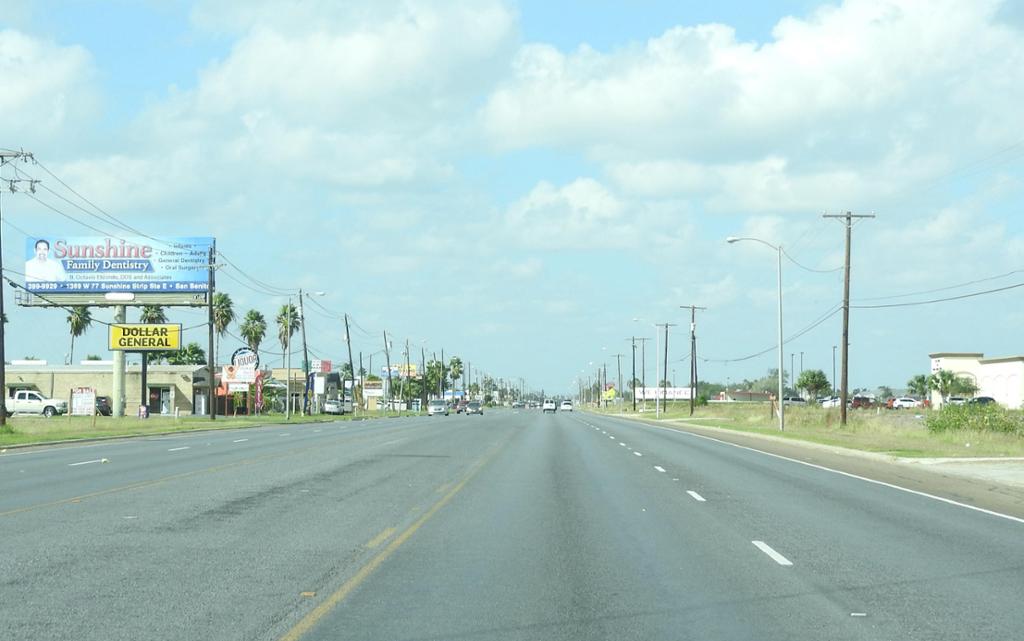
{"points": [[981, 400], [549, 406], [32, 402], [956, 400], [793, 400], [835, 401], [862, 402], [566, 406], [437, 406], [474, 407], [905, 402], [103, 407]]}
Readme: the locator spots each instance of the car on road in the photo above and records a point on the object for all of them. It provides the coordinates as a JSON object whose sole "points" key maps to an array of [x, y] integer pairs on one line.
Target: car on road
{"points": [[460, 406], [474, 407], [566, 406], [437, 406], [518, 405], [549, 406], [905, 403]]}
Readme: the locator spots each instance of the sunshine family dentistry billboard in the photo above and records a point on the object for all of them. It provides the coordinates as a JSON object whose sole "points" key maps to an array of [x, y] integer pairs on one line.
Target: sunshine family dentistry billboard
{"points": [[102, 264]]}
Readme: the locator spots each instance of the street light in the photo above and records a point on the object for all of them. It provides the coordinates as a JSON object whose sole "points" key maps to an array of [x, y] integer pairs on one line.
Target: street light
{"points": [[778, 250]]}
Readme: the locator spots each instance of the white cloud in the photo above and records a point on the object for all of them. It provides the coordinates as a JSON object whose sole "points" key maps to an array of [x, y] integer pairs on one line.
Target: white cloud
{"points": [[581, 214], [849, 104], [47, 89]]}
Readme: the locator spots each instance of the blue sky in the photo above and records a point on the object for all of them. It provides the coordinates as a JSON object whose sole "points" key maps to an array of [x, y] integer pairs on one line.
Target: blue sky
{"points": [[517, 182]]}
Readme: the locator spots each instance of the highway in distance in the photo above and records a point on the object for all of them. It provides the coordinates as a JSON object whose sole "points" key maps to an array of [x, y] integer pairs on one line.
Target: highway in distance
{"points": [[513, 525]]}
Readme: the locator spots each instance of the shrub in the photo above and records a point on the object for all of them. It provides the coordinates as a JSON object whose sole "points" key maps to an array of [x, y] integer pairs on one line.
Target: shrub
{"points": [[981, 418]]}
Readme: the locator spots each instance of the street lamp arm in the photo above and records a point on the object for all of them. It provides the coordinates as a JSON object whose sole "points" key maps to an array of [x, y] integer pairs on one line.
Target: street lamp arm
{"points": [[735, 239]]}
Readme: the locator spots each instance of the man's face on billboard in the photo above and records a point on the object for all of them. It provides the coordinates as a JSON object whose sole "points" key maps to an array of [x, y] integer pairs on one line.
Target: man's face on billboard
{"points": [[42, 249]]}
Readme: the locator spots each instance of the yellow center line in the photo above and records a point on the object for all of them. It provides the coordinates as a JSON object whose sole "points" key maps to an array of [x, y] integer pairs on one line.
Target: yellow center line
{"points": [[316, 614], [380, 538]]}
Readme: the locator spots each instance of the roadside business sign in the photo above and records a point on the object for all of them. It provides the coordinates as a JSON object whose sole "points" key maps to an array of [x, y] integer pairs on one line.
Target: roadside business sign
{"points": [[245, 357], [105, 264], [657, 393], [320, 366], [83, 401], [238, 387], [145, 337], [243, 375], [373, 388]]}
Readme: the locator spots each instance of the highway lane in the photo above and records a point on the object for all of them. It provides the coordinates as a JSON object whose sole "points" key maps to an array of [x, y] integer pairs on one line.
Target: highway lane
{"points": [[514, 525]]}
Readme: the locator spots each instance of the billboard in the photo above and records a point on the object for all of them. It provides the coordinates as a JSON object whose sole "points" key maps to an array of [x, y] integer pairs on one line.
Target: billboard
{"points": [[656, 393], [145, 337], [107, 264]]}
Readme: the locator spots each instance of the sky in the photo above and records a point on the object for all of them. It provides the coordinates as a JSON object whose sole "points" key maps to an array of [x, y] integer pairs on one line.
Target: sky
{"points": [[531, 184]]}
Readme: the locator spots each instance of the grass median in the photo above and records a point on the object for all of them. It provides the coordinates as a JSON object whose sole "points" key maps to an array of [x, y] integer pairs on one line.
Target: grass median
{"points": [[894, 432], [27, 430]]}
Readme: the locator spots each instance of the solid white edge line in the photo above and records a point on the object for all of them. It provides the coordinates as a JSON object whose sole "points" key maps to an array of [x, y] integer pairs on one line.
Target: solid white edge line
{"points": [[842, 473], [96, 460], [659, 468], [696, 497], [775, 556], [178, 449], [241, 440]]}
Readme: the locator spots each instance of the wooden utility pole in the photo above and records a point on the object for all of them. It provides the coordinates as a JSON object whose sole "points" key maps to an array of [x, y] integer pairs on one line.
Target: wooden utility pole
{"points": [[848, 221], [693, 351], [351, 371]]}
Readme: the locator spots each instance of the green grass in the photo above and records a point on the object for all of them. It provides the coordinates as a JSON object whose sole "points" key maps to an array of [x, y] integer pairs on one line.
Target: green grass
{"points": [[25, 430], [894, 432]]}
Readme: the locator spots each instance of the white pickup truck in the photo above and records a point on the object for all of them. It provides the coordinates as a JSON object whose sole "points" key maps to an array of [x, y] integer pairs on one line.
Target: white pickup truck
{"points": [[32, 402]]}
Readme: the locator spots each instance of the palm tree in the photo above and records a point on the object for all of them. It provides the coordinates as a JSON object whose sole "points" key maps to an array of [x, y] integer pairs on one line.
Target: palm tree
{"points": [[191, 354], [79, 319], [288, 322], [254, 329], [153, 314], [223, 315]]}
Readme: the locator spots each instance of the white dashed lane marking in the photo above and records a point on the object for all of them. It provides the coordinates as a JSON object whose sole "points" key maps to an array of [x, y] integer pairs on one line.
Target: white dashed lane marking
{"points": [[240, 440], [775, 556], [635, 453], [696, 497], [178, 449], [659, 468], [95, 460]]}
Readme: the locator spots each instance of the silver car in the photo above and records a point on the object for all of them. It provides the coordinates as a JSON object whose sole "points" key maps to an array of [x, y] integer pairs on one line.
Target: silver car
{"points": [[437, 406]]}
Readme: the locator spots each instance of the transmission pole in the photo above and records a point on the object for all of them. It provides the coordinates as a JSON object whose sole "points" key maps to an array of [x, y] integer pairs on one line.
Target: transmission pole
{"points": [[693, 351], [7, 156], [351, 369], [305, 358], [848, 221]]}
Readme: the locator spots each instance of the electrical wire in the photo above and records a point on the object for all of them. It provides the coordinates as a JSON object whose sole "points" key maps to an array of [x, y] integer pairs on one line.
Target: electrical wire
{"points": [[810, 269], [821, 319], [939, 300], [943, 289]]}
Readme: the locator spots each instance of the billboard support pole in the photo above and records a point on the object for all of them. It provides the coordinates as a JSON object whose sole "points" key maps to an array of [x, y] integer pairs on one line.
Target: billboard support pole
{"points": [[145, 366], [210, 401], [118, 392]]}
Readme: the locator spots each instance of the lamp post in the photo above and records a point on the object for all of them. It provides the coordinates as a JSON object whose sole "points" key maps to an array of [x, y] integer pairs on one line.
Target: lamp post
{"points": [[778, 250]]}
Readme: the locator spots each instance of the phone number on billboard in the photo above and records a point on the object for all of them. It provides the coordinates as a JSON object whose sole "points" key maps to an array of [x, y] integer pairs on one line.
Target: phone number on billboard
{"points": [[118, 287]]}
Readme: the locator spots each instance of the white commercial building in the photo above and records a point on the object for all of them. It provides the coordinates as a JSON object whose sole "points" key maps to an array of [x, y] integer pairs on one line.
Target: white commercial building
{"points": [[1000, 378]]}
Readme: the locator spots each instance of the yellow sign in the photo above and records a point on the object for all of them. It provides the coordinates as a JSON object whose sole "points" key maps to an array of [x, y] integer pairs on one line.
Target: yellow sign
{"points": [[609, 394], [141, 337]]}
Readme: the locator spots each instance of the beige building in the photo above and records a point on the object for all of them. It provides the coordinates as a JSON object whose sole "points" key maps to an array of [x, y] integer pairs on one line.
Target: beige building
{"points": [[1001, 378], [170, 387]]}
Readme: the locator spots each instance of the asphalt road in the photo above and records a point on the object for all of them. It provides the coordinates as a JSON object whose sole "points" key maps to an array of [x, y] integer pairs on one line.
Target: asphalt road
{"points": [[511, 525]]}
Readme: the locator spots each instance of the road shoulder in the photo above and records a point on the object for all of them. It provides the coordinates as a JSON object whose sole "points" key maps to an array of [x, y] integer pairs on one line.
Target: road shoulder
{"points": [[990, 484]]}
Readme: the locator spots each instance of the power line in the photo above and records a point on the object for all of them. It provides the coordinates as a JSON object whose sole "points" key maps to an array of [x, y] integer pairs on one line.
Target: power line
{"points": [[944, 289], [940, 300], [811, 269], [821, 319]]}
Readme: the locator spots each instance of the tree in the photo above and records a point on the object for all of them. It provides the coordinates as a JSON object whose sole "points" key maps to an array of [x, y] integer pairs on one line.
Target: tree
{"points": [[80, 319], [919, 385], [223, 316], [288, 322], [191, 354], [814, 381], [253, 329], [152, 314], [946, 383], [433, 376], [93, 357], [455, 370]]}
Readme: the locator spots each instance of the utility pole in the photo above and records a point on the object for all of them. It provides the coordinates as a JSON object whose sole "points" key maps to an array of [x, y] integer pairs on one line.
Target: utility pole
{"points": [[664, 377], [210, 285], [305, 358], [693, 351], [287, 360], [423, 378], [801, 363], [442, 374], [387, 358], [7, 156], [362, 387], [351, 370], [848, 221], [643, 368], [632, 381], [618, 370], [834, 370], [792, 370]]}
